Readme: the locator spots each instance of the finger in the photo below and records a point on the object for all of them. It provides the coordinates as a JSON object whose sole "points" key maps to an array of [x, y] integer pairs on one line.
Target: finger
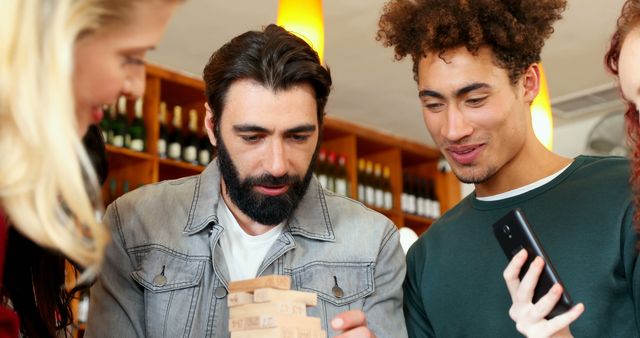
{"points": [[512, 271], [562, 321], [359, 332], [349, 319], [548, 301], [530, 280]]}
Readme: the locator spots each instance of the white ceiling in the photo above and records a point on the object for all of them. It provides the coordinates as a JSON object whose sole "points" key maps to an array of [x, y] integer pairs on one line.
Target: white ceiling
{"points": [[369, 87]]}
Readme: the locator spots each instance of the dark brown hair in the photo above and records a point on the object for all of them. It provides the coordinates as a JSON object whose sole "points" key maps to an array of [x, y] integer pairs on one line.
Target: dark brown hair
{"points": [[629, 20], [274, 58], [515, 30]]}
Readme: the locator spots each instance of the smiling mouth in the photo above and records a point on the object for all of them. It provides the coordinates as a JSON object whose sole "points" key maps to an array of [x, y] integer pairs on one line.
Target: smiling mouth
{"points": [[465, 155]]}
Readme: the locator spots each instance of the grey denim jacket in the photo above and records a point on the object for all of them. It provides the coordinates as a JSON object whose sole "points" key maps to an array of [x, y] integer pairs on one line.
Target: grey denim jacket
{"points": [[164, 273]]}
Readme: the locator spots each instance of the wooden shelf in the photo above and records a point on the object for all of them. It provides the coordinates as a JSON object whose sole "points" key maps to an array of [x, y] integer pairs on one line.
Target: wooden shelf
{"points": [[182, 165], [113, 150]]}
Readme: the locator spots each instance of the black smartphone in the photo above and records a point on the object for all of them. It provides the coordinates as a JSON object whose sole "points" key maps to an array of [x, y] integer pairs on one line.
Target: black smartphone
{"points": [[514, 234]]}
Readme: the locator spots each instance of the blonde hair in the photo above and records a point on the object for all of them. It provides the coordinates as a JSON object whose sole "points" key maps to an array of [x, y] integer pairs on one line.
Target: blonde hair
{"points": [[48, 187]]}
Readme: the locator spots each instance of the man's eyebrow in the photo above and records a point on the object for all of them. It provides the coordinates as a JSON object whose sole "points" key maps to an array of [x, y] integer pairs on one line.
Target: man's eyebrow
{"points": [[474, 86], [245, 128], [430, 93], [460, 92], [305, 128]]}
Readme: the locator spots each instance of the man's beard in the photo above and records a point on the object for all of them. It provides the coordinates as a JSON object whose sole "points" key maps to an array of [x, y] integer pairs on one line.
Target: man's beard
{"points": [[264, 209]]}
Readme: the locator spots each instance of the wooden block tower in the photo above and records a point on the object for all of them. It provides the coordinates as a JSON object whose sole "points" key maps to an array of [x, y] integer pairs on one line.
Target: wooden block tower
{"points": [[266, 307]]}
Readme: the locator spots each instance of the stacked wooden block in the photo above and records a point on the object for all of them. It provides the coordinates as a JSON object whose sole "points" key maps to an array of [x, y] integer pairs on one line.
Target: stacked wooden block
{"points": [[265, 307]]}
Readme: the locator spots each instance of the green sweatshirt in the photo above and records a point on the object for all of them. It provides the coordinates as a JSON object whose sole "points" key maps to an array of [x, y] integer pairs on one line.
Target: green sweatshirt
{"points": [[583, 218]]}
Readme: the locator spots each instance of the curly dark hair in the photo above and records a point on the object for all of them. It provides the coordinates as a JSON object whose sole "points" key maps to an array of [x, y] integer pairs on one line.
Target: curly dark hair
{"points": [[515, 30], [629, 20]]}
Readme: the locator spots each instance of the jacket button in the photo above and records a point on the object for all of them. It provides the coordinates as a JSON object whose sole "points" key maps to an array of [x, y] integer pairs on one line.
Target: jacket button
{"points": [[337, 291], [159, 280], [220, 292]]}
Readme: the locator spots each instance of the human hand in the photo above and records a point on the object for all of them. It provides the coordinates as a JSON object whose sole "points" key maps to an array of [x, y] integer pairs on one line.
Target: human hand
{"points": [[530, 318], [353, 324]]}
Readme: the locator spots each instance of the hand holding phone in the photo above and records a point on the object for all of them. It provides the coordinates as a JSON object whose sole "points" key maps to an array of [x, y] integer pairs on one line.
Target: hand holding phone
{"points": [[514, 234]]}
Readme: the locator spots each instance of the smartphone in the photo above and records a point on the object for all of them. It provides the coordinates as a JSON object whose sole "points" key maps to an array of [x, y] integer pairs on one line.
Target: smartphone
{"points": [[514, 234]]}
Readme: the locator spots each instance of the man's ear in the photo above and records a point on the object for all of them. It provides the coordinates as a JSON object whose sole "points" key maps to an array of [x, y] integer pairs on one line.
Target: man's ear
{"points": [[531, 82], [208, 123]]}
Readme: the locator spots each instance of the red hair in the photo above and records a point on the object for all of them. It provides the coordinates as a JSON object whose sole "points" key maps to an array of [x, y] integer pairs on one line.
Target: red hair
{"points": [[629, 20]]}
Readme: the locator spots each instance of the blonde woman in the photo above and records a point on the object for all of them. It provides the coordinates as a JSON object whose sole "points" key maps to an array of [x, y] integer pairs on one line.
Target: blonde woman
{"points": [[60, 61]]}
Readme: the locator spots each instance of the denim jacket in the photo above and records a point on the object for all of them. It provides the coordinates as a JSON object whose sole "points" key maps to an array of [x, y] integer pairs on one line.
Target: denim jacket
{"points": [[164, 274]]}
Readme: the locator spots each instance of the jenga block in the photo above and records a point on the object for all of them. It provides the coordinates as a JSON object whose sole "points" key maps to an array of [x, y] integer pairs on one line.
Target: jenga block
{"points": [[239, 298], [268, 321], [272, 308], [269, 295], [272, 281], [279, 332]]}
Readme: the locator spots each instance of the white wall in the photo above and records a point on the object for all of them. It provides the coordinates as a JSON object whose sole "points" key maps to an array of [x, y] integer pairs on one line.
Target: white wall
{"points": [[570, 139]]}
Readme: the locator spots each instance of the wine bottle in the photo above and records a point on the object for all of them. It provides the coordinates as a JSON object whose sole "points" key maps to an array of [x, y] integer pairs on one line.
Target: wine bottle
{"points": [[105, 124], [120, 125], [175, 136], [321, 168], [404, 199], [377, 186], [341, 179], [190, 145], [386, 188], [137, 130], [112, 124], [435, 202], [162, 137], [205, 149], [332, 168], [370, 191], [422, 208], [362, 194]]}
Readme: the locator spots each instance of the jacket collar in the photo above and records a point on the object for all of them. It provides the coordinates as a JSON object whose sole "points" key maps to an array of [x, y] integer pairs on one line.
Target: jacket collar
{"points": [[310, 219]]}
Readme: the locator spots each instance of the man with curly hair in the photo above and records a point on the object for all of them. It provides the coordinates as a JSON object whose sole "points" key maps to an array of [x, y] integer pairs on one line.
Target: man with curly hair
{"points": [[475, 62]]}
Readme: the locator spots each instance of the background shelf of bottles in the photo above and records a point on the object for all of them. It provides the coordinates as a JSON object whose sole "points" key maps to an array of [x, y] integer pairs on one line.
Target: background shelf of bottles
{"points": [[167, 140]]}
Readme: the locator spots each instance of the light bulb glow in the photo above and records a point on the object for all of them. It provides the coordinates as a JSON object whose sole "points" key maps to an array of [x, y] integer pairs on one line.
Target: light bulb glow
{"points": [[305, 19], [541, 115]]}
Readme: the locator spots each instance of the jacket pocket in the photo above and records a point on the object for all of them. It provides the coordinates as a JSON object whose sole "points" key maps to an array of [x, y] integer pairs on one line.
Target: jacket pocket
{"points": [[340, 286], [337, 283], [171, 283]]}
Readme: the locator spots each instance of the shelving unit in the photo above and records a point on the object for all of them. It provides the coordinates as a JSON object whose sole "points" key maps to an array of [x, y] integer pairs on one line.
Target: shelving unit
{"points": [[344, 137]]}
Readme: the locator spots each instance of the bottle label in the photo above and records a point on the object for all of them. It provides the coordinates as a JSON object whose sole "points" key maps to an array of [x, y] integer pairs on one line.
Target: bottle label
{"points": [[105, 136], [323, 179], [420, 210], [361, 193], [118, 140], [162, 148], [371, 195], [190, 154], [331, 183], [204, 157], [110, 136], [341, 187], [404, 202], [137, 145], [388, 200], [379, 198], [411, 207], [175, 150], [127, 140]]}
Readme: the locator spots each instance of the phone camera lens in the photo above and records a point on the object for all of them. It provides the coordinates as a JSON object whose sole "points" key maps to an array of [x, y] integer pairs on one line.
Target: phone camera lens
{"points": [[506, 229]]}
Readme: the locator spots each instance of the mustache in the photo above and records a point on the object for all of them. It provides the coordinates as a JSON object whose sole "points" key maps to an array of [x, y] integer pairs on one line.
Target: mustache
{"points": [[270, 180]]}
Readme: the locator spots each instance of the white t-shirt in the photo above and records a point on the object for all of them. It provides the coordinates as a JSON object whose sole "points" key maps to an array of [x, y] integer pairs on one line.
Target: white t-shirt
{"points": [[523, 189], [243, 253]]}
